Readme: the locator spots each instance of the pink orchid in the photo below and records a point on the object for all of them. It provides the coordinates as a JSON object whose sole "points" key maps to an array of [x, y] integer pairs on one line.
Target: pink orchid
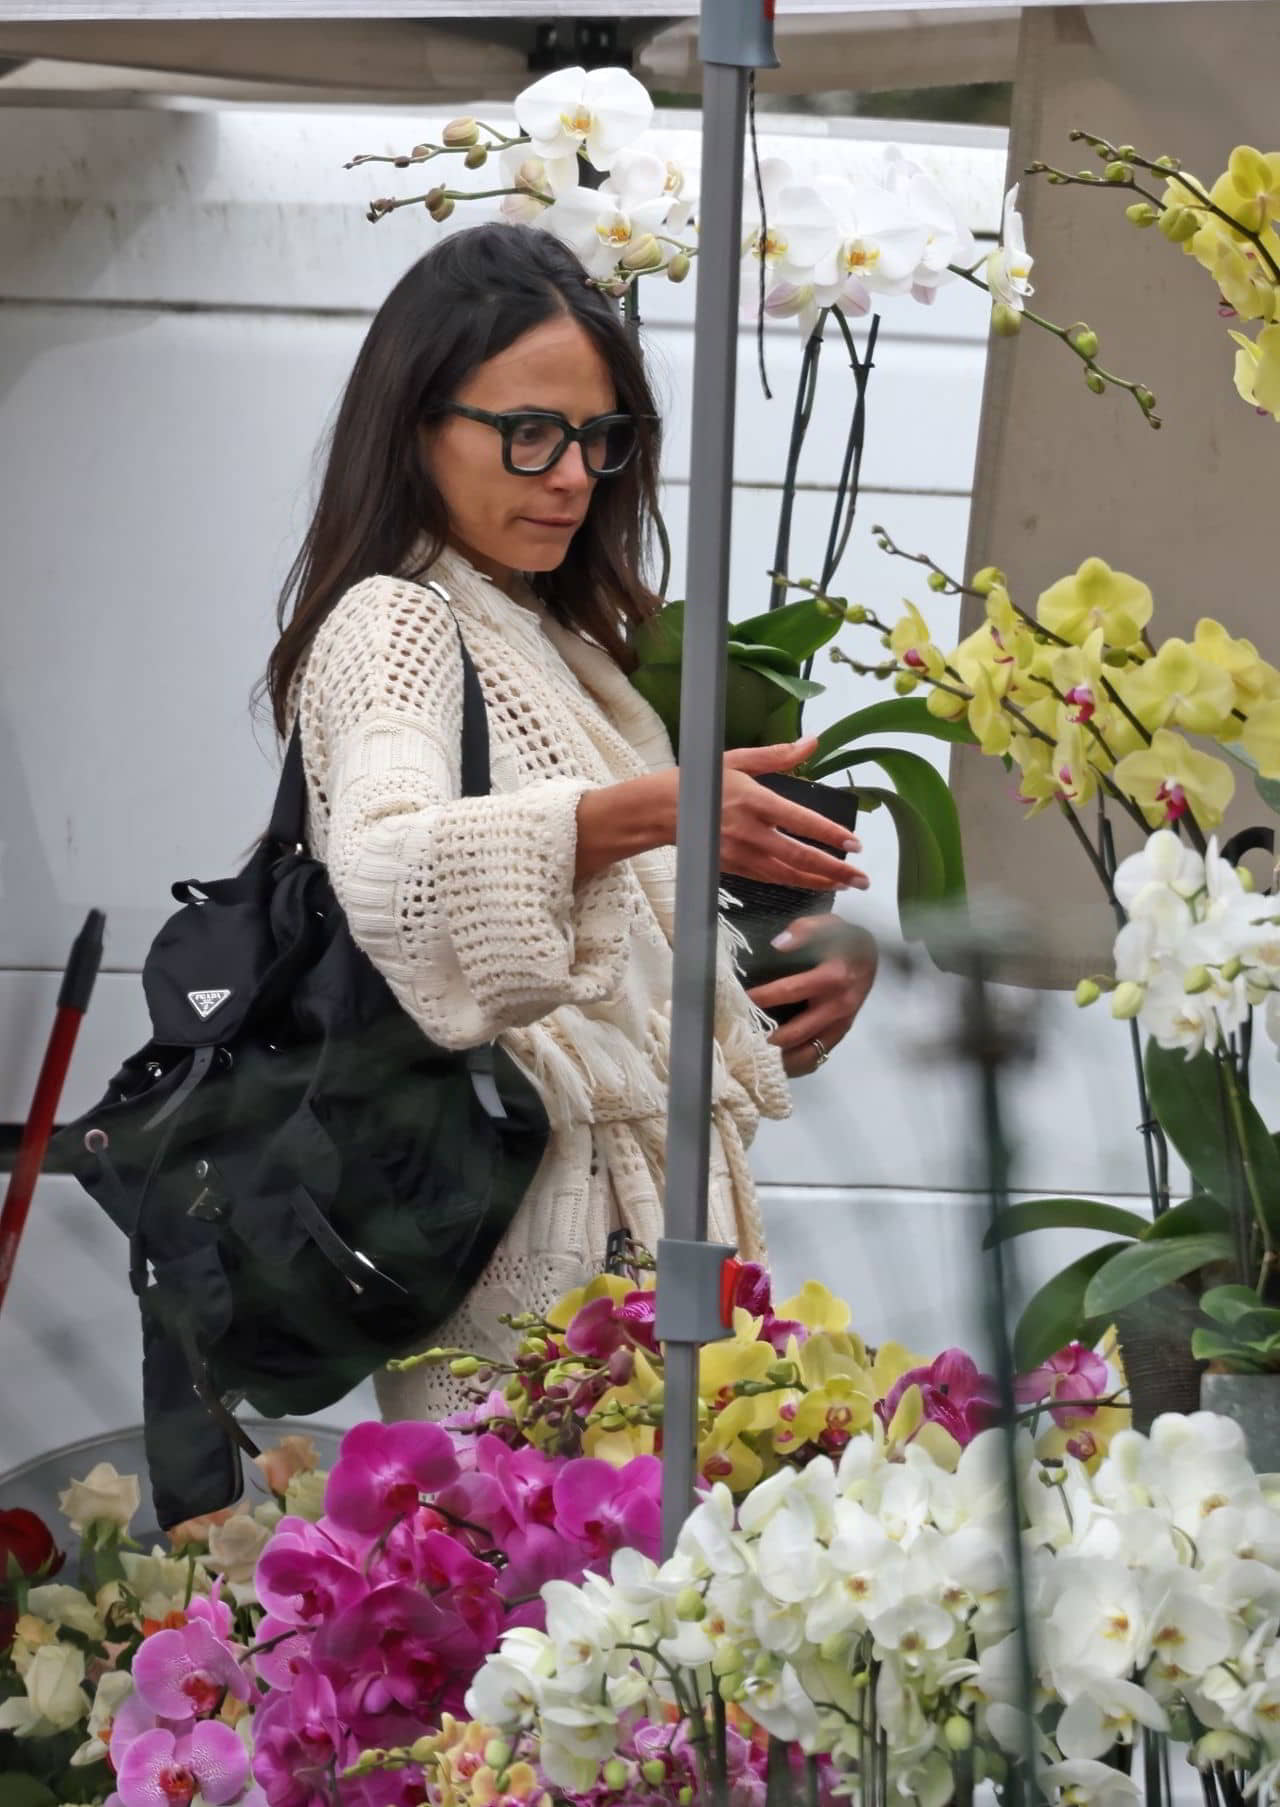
{"points": [[1071, 1380], [304, 1575], [298, 1742], [604, 1508], [596, 1329], [397, 1660], [281, 1653], [382, 1472], [638, 1312], [954, 1392], [183, 1675], [159, 1770]]}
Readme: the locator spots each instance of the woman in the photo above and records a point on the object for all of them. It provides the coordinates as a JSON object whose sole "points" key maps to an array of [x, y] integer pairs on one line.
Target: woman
{"points": [[498, 436]]}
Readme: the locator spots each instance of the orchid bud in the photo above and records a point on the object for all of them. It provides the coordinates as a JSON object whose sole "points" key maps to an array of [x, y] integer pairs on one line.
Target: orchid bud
{"points": [[1127, 151], [1093, 382], [423, 1749], [958, 1732], [1179, 224], [463, 1366], [1198, 979], [1144, 398], [421, 150], [622, 1365], [835, 1648], [1084, 339], [476, 157], [459, 133], [654, 1772], [1116, 172], [1087, 992], [497, 1753], [785, 1373], [725, 1661], [441, 213], [691, 1606], [904, 683], [855, 613], [1006, 321], [1127, 999], [1229, 1748], [433, 197], [679, 267], [645, 253], [1232, 968], [937, 581], [986, 580], [685, 1797], [513, 1391], [1142, 213], [614, 1774]]}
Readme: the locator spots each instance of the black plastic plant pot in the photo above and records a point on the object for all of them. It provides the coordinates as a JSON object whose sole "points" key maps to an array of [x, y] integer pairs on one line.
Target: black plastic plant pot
{"points": [[767, 909]]}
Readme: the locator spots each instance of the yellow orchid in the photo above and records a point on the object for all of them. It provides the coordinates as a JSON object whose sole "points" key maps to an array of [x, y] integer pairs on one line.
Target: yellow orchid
{"points": [[1092, 597], [1169, 777], [1180, 688], [1242, 278], [739, 1357], [1260, 738], [1257, 372], [892, 1361], [816, 1308], [1072, 765], [1088, 1437], [989, 721], [618, 1443], [1254, 680], [910, 643], [1250, 176], [611, 1286], [1038, 782], [723, 1452], [843, 1405], [1012, 639]]}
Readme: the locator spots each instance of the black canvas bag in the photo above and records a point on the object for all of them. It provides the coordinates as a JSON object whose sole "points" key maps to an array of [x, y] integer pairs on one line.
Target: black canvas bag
{"points": [[308, 1184]]}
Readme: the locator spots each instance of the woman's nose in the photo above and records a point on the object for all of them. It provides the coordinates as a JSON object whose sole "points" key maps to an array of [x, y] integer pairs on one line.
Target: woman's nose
{"points": [[569, 473]]}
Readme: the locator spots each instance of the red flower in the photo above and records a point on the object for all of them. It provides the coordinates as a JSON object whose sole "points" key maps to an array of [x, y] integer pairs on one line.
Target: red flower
{"points": [[26, 1549]]}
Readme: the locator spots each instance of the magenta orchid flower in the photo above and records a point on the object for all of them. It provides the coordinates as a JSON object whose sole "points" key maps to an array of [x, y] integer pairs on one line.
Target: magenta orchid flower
{"points": [[182, 1675], [161, 1770], [1070, 1381], [397, 1660], [954, 1392], [281, 1653], [298, 1742], [382, 1472], [604, 1508], [304, 1575]]}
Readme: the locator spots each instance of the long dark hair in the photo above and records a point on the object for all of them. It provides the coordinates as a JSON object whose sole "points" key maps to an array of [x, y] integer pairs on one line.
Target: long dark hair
{"points": [[470, 297]]}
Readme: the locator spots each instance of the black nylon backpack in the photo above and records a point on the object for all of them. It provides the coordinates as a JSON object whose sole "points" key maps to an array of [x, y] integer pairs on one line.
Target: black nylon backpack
{"points": [[308, 1184]]}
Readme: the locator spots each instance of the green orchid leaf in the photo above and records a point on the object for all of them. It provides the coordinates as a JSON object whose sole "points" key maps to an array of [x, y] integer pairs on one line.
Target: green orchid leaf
{"points": [[1199, 1212], [763, 658], [928, 792], [1213, 1346], [1056, 1315], [896, 715], [1269, 790], [1064, 1214], [1191, 1106], [1231, 1304], [799, 628], [922, 874], [1145, 1268], [659, 685], [660, 639], [800, 688]]}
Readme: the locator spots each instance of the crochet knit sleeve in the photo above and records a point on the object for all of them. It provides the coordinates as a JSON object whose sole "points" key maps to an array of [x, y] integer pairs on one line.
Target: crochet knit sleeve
{"points": [[467, 905]]}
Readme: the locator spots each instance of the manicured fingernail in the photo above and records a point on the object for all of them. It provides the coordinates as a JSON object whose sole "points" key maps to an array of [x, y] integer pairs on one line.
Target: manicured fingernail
{"points": [[852, 846], [783, 941]]}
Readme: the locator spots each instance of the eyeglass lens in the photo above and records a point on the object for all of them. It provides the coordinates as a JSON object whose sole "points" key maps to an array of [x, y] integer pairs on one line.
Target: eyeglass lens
{"points": [[535, 443]]}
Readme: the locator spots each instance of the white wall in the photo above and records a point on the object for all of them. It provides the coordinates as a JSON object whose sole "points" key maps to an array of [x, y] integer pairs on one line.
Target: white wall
{"points": [[181, 295]]}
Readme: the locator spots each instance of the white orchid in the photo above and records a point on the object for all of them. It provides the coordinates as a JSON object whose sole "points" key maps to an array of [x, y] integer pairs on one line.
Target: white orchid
{"points": [[1008, 267], [607, 225], [109, 1696], [1084, 1782], [527, 173], [596, 112], [948, 241], [879, 245]]}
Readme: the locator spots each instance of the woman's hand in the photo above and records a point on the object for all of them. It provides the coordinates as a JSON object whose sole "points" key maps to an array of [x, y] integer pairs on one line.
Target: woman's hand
{"points": [[833, 991], [757, 827], [618, 821]]}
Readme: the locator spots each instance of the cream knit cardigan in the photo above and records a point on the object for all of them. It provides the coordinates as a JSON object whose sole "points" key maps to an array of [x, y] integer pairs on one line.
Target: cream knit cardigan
{"points": [[468, 906]]}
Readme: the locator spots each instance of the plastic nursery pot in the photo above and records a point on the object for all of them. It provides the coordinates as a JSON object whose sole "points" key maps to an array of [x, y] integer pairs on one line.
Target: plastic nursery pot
{"points": [[1155, 1347], [767, 909]]}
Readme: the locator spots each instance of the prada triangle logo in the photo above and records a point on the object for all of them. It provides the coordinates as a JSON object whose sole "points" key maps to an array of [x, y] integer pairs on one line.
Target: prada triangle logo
{"points": [[204, 1003]]}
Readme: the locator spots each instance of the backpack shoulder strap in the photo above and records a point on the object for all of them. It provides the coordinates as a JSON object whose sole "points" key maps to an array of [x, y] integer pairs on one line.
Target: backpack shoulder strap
{"points": [[289, 812]]}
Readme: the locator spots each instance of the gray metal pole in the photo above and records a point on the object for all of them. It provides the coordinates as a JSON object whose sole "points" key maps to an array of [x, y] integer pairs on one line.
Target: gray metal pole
{"points": [[736, 36]]}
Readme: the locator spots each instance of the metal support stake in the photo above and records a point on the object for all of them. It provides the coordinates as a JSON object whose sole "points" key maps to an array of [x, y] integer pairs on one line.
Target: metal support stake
{"points": [[735, 37]]}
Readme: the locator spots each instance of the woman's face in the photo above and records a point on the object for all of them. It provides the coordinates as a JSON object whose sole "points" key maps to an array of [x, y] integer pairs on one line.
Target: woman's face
{"points": [[501, 521]]}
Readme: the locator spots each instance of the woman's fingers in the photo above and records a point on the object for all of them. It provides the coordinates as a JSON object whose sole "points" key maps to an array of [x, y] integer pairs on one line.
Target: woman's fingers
{"points": [[794, 819]]}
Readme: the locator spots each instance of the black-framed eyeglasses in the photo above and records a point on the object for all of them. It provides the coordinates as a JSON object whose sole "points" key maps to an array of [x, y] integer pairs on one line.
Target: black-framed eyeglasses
{"points": [[533, 439]]}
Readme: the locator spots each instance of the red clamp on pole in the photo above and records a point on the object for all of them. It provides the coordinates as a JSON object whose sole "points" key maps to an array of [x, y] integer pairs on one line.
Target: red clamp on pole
{"points": [[730, 1270]]}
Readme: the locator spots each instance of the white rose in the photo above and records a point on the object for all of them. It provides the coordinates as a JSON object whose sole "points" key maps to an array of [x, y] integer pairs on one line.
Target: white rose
{"points": [[113, 1690], [55, 1700], [235, 1546], [61, 1605], [159, 1582], [103, 1496], [304, 1496]]}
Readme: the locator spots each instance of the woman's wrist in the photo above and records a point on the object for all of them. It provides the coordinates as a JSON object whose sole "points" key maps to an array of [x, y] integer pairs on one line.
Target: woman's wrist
{"points": [[618, 821]]}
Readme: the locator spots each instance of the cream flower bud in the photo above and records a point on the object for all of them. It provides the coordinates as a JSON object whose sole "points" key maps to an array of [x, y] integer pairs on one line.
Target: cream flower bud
{"points": [[460, 133], [1127, 998]]}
